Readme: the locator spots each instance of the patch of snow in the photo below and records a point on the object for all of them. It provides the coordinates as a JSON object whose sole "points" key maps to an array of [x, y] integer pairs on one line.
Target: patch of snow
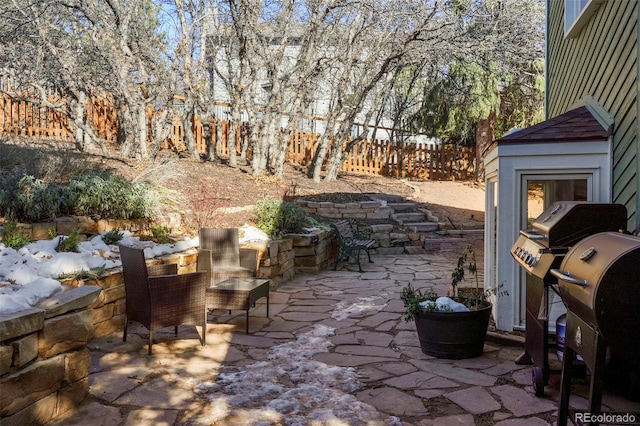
{"points": [[251, 233], [363, 305], [444, 304], [290, 388], [31, 273]]}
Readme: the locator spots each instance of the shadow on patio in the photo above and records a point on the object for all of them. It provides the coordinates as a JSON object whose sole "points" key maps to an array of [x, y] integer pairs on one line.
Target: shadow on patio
{"points": [[335, 351]]}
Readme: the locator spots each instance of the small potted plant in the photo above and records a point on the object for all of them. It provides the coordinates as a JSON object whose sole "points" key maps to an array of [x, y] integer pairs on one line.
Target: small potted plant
{"points": [[455, 327]]}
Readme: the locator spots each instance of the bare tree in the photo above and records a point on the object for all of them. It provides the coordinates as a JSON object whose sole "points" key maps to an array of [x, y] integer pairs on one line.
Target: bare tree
{"points": [[85, 49], [268, 56], [186, 23], [275, 57], [274, 61]]}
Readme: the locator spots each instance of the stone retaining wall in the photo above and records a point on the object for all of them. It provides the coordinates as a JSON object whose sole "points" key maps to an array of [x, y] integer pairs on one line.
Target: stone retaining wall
{"points": [[360, 210], [455, 241], [277, 262], [44, 361], [314, 251], [85, 225], [281, 259]]}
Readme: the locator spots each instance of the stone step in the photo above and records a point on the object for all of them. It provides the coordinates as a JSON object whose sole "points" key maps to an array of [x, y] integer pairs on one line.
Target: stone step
{"points": [[389, 198], [402, 207], [404, 218], [414, 250], [422, 226]]}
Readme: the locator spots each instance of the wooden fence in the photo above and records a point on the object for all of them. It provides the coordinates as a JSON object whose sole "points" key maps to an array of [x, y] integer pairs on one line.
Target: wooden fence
{"points": [[372, 157]]}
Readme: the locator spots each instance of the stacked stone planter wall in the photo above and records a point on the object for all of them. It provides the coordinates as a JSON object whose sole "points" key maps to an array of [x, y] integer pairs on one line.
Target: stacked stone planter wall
{"points": [[392, 240], [85, 225], [455, 241], [44, 361], [389, 239], [277, 262], [314, 251], [360, 210]]}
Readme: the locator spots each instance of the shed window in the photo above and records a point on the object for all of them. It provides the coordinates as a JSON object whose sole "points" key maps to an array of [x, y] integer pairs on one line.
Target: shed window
{"points": [[577, 13]]}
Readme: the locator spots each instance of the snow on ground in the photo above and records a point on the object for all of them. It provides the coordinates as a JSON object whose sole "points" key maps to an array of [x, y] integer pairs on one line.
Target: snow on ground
{"points": [[31, 273], [291, 388], [364, 305]]}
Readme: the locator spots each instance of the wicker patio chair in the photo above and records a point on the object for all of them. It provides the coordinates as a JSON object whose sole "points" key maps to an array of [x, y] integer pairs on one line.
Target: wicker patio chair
{"points": [[221, 256], [157, 296]]}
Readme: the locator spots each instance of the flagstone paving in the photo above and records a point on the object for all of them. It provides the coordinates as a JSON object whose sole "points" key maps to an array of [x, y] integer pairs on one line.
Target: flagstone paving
{"points": [[383, 375]]}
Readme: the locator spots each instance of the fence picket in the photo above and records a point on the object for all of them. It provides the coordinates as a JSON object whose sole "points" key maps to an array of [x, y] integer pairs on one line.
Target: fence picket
{"points": [[371, 157]]}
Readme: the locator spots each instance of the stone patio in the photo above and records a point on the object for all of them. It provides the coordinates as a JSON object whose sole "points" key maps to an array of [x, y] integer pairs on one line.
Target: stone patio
{"points": [[370, 369]]}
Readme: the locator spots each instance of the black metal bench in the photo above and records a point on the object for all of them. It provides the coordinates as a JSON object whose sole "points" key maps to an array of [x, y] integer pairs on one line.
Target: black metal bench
{"points": [[351, 243]]}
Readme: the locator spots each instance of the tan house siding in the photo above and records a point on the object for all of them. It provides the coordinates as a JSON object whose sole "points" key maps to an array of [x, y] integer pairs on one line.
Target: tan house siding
{"points": [[602, 62]]}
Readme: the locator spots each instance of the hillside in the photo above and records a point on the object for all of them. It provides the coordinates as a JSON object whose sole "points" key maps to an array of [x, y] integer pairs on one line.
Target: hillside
{"points": [[224, 195]]}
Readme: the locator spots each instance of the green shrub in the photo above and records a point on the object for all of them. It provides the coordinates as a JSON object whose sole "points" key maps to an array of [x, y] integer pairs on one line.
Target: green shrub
{"points": [[14, 237], [112, 237], [24, 197], [277, 218], [111, 196], [69, 244], [83, 274], [160, 234], [52, 233]]}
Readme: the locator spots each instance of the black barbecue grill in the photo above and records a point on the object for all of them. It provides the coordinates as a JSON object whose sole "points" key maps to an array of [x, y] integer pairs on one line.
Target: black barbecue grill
{"points": [[542, 248], [599, 282]]}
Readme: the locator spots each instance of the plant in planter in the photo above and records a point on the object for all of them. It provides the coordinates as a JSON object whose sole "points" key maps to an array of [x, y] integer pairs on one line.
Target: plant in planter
{"points": [[455, 327]]}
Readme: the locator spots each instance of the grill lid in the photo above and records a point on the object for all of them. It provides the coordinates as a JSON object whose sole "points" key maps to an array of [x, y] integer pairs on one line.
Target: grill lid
{"points": [[567, 222], [599, 280], [559, 227]]}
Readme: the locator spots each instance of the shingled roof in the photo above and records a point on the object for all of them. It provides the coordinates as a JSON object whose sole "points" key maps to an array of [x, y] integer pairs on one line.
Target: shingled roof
{"points": [[577, 125]]}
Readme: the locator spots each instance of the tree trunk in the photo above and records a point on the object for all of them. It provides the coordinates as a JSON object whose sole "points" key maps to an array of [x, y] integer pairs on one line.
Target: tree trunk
{"points": [[209, 126], [188, 122], [231, 143], [219, 136], [142, 152], [78, 108], [234, 128], [125, 127], [259, 161], [281, 149], [245, 138], [335, 162], [315, 171], [161, 127]]}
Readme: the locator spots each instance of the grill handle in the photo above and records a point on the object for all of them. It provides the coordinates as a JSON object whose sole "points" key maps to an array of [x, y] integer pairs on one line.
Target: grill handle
{"points": [[531, 235], [566, 276]]}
